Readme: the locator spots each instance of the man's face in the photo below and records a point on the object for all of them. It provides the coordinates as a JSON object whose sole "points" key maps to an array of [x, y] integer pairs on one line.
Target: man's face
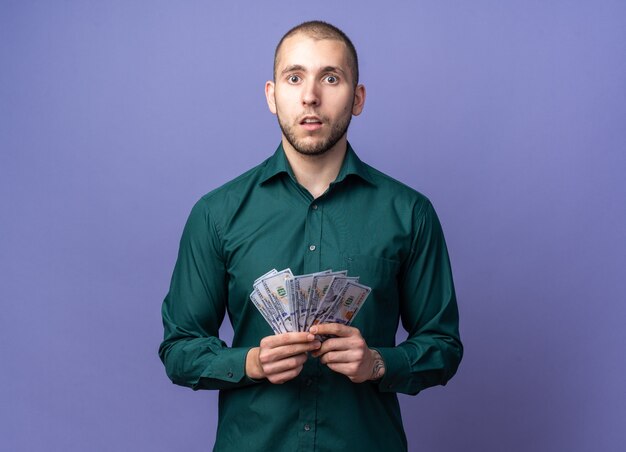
{"points": [[313, 95]]}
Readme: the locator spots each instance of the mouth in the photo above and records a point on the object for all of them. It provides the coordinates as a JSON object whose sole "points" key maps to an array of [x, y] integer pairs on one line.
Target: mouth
{"points": [[311, 123]]}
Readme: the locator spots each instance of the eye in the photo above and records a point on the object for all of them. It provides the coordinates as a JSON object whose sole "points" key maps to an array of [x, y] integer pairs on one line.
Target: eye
{"points": [[332, 79], [293, 79]]}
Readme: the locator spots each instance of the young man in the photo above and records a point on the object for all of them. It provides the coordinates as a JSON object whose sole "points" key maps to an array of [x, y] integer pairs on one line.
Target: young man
{"points": [[312, 206]]}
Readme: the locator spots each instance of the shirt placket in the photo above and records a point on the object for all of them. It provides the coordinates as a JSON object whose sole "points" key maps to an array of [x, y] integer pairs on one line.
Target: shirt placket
{"points": [[307, 419], [313, 237], [309, 377]]}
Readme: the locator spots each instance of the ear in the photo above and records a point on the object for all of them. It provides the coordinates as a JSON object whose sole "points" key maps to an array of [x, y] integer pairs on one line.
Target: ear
{"points": [[269, 96], [359, 100]]}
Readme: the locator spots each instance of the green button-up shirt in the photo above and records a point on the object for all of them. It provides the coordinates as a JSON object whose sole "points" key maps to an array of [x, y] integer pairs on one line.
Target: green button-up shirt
{"points": [[366, 223]]}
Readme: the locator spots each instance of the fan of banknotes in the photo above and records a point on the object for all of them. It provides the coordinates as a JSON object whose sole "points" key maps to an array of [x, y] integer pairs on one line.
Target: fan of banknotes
{"points": [[296, 303]]}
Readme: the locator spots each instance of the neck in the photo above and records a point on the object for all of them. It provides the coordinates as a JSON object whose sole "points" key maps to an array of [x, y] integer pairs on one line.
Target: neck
{"points": [[316, 172]]}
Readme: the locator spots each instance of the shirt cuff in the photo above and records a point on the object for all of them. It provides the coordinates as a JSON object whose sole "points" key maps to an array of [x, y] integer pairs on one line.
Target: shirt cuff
{"points": [[396, 365], [229, 366]]}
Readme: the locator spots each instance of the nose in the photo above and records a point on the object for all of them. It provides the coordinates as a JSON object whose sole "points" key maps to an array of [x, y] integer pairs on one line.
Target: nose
{"points": [[310, 94]]}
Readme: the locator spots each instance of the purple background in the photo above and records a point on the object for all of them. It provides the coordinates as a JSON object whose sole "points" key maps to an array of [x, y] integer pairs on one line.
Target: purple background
{"points": [[115, 117]]}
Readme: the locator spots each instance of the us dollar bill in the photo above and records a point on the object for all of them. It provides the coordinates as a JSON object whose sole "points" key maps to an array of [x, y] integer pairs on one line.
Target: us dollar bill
{"points": [[270, 306], [258, 302], [276, 287], [328, 303], [295, 303], [319, 286], [349, 302], [301, 285]]}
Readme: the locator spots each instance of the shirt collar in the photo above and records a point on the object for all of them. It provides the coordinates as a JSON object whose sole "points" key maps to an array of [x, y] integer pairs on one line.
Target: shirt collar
{"points": [[352, 165]]}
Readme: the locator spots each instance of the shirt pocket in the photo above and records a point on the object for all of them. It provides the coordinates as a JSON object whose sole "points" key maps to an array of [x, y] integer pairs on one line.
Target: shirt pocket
{"points": [[376, 272], [378, 317]]}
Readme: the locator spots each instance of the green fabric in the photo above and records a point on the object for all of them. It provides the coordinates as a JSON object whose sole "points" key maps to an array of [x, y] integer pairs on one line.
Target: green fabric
{"points": [[366, 223]]}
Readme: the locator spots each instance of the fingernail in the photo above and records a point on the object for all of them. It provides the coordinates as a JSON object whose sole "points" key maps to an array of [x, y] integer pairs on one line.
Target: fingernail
{"points": [[313, 329], [310, 337]]}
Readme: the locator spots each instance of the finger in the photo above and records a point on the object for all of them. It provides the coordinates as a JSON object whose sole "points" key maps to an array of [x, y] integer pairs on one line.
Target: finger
{"points": [[278, 340], [293, 349], [283, 377], [355, 341], [347, 356], [268, 355], [333, 329], [332, 344], [284, 365]]}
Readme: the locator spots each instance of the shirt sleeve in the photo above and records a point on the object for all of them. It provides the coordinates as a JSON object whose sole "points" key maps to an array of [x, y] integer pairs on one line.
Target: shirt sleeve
{"points": [[432, 352], [194, 309]]}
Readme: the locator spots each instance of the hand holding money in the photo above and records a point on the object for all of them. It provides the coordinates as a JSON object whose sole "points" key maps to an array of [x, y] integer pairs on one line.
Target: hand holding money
{"points": [[324, 303], [280, 357], [347, 353]]}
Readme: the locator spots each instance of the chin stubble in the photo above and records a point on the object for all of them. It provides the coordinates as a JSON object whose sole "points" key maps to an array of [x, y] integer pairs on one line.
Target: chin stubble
{"points": [[337, 131]]}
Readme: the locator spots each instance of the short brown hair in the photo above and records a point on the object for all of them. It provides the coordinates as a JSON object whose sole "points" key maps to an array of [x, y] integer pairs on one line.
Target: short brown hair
{"points": [[318, 29]]}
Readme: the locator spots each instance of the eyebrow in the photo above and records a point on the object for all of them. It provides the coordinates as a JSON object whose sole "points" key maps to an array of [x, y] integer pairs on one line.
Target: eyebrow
{"points": [[299, 67]]}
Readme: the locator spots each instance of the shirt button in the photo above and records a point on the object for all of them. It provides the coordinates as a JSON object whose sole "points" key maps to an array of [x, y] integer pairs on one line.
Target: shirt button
{"points": [[314, 207], [309, 382], [312, 248], [230, 374], [307, 427]]}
